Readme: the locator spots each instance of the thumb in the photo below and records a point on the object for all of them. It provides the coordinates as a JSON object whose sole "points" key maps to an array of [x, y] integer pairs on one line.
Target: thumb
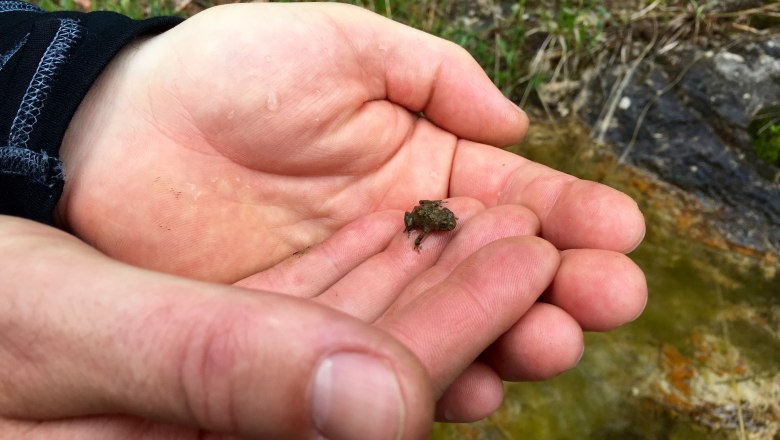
{"points": [[431, 75], [83, 335]]}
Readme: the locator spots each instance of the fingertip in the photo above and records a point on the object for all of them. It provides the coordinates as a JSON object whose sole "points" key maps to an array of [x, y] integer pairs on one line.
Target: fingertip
{"points": [[621, 215], [353, 383], [635, 283], [636, 224], [546, 251], [452, 90], [516, 118], [474, 395], [544, 343], [601, 289], [622, 220], [588, 214], [467, 103]]}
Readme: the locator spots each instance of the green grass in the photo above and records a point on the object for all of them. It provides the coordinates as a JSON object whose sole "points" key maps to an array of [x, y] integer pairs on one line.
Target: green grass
{"points": [[132, 8], [765, 133]]}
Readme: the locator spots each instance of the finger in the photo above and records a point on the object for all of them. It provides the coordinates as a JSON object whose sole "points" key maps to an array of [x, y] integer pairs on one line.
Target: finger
{"points": [[396, 266], [545, 342], [373, 247], [486, 227], [84, 335], [602, 290], [593, 290], [574, 213], [475, 394], [310, 272], [450, 324]]}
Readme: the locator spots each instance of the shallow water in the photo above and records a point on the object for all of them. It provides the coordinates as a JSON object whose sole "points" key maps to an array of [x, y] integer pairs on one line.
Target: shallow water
{"points": [[702, 362]]}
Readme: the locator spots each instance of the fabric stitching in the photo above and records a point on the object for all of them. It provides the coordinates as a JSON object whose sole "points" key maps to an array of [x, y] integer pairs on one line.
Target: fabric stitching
{"points": [[15, 157], [38, 167], [40, 84], [14, 6], [8, 55]]}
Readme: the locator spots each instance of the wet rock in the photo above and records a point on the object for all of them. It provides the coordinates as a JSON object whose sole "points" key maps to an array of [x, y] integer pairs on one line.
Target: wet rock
{"points": [[713, 388], [684, 115]]}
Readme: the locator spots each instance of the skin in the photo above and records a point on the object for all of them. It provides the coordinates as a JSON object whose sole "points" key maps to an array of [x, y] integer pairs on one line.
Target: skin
{"points": [[206, 158]]}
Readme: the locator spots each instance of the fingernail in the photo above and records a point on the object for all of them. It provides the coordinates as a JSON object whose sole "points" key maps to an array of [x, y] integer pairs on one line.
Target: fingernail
{"points": [[357, 396], [582, 353]]}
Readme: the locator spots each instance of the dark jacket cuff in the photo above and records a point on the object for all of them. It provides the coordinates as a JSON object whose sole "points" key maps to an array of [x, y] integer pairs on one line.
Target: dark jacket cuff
{"points": [[48, 62]]}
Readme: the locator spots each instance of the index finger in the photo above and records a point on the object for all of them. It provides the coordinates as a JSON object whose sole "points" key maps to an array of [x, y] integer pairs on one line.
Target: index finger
{"points": [[574, 213]]}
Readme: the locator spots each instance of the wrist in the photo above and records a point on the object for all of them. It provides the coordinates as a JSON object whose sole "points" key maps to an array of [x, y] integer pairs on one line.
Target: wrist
{"points": [[54, 60], [96, 126]]}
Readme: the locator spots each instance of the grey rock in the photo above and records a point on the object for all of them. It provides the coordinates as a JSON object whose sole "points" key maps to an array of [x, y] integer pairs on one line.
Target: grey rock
{"points": [[691, 110]]}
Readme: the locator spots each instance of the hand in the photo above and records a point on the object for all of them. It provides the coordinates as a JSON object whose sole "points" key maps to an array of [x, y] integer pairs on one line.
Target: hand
{"points": [[221, 173], [251, 132], [91, 348], [84, 338]]}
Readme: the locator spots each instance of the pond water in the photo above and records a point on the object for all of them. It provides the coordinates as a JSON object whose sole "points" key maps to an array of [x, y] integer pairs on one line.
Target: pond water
{"points": [[702, 362]]}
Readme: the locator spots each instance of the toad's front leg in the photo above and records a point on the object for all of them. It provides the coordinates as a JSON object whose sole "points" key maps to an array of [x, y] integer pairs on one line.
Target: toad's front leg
{"points": [[420, 237], [408, 223]]}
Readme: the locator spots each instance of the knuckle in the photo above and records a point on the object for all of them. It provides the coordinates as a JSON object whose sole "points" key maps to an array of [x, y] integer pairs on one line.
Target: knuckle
{"points": [[214, 366]]}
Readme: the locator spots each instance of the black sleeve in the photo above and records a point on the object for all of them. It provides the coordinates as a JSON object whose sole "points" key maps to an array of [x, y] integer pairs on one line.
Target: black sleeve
{"points": [[48, 61]]}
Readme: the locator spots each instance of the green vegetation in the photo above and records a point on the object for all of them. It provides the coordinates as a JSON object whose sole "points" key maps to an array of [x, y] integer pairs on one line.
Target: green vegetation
{"points": [[765, 131], [132, 8]]}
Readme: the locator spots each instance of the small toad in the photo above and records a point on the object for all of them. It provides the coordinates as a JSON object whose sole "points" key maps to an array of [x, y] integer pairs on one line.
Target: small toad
{"points": [[429, 216]]}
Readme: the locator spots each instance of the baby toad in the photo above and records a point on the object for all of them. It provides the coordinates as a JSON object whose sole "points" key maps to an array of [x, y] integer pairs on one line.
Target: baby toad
{"points": [[429, 216]]}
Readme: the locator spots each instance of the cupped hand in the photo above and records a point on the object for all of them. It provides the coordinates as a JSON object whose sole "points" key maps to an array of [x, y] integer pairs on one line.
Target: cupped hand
{"points": [[251, 132], [280, 144]]}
